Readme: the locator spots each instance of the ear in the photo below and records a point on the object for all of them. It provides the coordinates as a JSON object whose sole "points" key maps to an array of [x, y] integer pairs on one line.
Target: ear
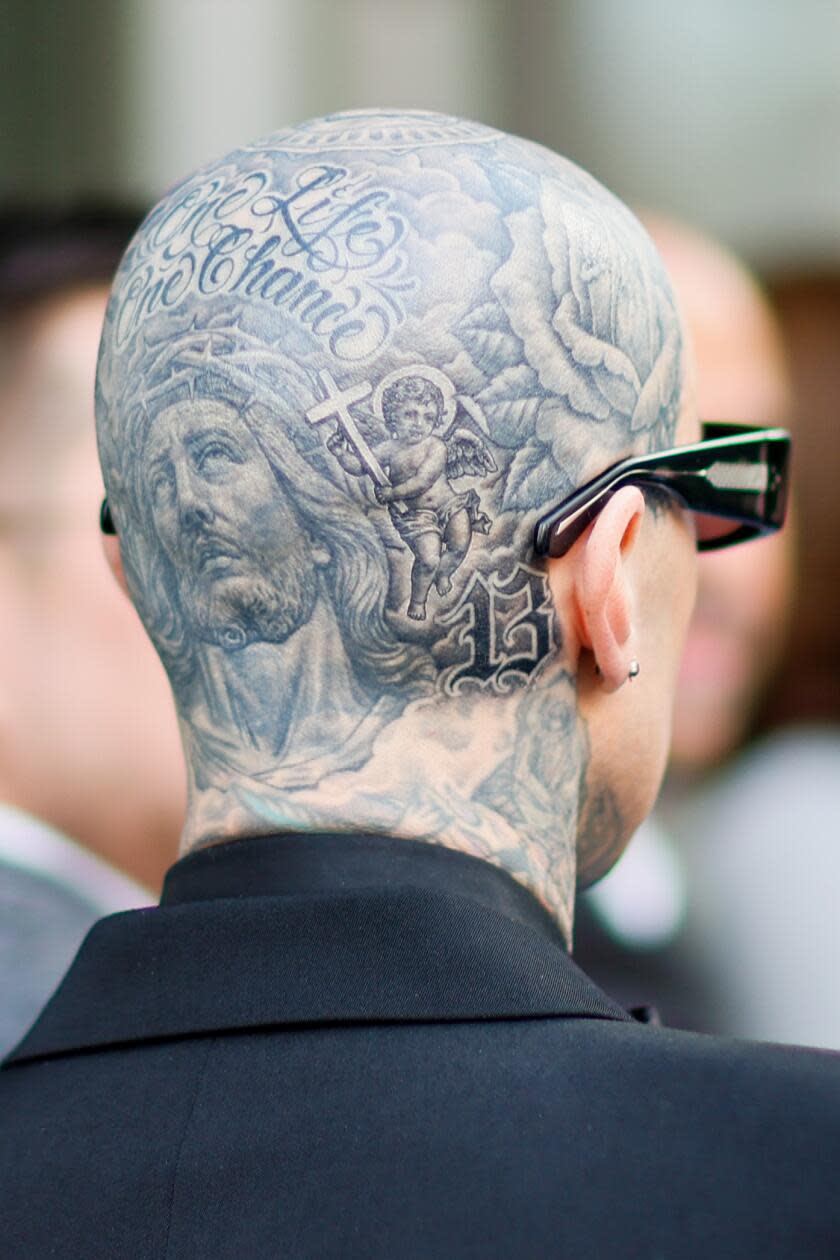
{"points": [[603, 596], [113, 557]]}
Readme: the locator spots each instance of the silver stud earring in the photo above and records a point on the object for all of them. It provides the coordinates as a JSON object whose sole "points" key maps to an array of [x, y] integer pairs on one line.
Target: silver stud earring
{"points": [[633, 671]]}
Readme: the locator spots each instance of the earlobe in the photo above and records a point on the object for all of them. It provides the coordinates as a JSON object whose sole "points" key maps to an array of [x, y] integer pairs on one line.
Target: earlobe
{"points": [[113, 558], [603, 596]]}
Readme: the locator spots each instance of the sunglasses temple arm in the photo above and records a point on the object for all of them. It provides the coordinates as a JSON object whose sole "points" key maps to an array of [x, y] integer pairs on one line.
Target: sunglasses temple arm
{"points": [[557, 544]]}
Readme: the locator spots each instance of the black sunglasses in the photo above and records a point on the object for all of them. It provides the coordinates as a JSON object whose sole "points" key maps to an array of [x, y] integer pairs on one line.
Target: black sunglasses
{"points": [[735, 482]]}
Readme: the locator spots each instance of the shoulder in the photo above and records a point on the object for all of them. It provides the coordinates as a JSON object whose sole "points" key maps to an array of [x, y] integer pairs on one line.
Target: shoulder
{"points": [[697, 1062], [675, 1091], [538, 1136]]}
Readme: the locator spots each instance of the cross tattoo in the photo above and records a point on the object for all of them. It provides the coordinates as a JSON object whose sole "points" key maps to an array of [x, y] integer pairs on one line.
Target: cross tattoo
{"points": [[336, 406]]}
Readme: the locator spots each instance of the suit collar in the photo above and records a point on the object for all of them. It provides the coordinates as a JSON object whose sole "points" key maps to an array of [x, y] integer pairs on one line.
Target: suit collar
{"points": [[292, 864], [297, 930]]}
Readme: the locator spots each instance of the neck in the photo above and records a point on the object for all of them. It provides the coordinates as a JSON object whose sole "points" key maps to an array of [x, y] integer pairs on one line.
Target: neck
{"points": [[278, 703], [497, 777]]}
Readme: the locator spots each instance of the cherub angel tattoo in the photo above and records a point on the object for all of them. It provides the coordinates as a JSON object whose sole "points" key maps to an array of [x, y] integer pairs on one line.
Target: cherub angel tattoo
{"points": [[435, 521]]}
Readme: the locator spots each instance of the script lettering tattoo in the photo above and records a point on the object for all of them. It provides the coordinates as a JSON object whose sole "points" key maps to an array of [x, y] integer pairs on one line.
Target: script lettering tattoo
{"points": [[324, 249], [343, 370]]}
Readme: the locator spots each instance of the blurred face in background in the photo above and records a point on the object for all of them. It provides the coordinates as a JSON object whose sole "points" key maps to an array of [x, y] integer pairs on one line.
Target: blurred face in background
{"points": [[740, 623], [88, 736]]}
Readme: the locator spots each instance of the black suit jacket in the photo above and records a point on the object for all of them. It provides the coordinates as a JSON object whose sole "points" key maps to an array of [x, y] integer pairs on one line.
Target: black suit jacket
{"points": [[349, 1046]]}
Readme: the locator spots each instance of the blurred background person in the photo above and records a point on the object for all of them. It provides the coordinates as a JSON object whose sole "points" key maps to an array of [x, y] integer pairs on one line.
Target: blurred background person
{"points": [[740, 626], [726, 906], [83, 700]]}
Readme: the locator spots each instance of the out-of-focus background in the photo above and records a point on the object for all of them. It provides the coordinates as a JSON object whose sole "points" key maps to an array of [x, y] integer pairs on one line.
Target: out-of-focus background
{"points": [[724, 116]]}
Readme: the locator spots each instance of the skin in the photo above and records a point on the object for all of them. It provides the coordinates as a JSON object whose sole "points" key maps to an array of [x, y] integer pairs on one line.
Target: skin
{"points": [[86, 715], [739, 629], [498, 721]]}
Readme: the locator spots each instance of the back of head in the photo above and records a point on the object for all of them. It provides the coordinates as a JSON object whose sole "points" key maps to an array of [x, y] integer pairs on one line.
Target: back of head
{"points": [[344, 368]]}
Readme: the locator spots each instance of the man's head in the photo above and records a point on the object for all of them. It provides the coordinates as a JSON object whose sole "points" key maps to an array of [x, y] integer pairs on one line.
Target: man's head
{"points": [[88, 738], [512, 305], [738, 630]]}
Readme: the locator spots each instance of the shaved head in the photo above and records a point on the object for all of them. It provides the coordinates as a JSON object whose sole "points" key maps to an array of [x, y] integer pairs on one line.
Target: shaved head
{"points": [[344, 369], [354, 246]]}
